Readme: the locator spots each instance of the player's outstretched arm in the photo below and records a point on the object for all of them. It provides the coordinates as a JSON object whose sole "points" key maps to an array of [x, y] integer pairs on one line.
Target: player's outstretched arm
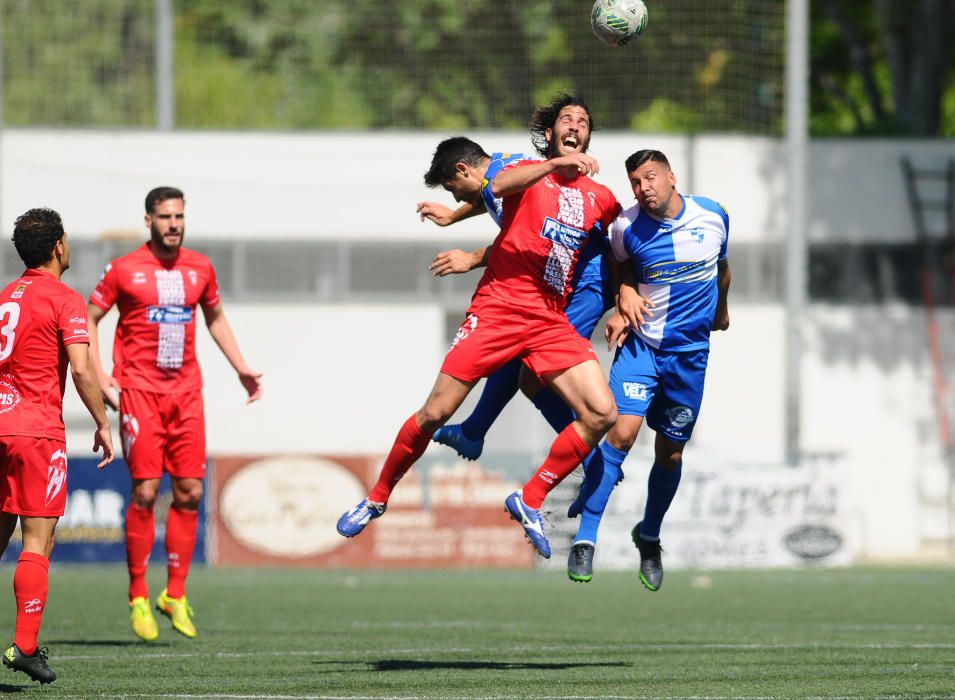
{"points": [[520, 177], [107, 383], [444, 216], [221, 332], [721, 321], [455, 262], [84, 379]]}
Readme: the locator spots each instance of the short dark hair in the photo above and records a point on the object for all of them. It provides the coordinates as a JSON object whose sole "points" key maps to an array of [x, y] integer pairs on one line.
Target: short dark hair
{"points": [[158, 195], [545, 117], [641, 157], [450, 152], [35, 235]]}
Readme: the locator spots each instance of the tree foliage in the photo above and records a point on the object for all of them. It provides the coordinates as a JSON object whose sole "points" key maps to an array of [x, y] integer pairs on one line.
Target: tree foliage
{"points": [[702, 65]]}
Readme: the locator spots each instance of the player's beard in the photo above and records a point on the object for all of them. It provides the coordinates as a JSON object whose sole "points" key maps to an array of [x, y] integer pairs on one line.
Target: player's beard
{"points": [[163, 247]]}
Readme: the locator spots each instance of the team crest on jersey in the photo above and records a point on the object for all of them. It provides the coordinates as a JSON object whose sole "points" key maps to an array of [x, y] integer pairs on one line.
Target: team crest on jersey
{"points": [[18, 291], [139, 278], [56, 475], [696, 234], [9, 396], [193, 277]]}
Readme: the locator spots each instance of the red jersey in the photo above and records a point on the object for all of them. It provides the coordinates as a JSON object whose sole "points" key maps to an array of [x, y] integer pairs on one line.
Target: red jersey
{"points": [[155, 344], [39, 317], [543, 230]]}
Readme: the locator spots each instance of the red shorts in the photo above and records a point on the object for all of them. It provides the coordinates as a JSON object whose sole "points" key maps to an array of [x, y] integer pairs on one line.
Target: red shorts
{"points": [[163, 432], [34, 476], [494, 333]]}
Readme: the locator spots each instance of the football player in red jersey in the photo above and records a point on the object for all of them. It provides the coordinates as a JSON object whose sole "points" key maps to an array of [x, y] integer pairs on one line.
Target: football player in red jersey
{"points": [[43, 329], [550, 210], [156, 375]]}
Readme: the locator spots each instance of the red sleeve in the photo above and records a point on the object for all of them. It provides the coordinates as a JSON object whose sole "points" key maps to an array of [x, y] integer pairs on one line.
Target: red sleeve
{"points": [[107, 289], [72, 320], [210, 295], [610, 212]]}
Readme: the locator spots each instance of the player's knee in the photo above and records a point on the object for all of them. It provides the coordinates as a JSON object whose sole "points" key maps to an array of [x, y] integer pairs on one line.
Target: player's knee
{"points": [[187, 499], [601, 417], [144, 498], [432, 416]]}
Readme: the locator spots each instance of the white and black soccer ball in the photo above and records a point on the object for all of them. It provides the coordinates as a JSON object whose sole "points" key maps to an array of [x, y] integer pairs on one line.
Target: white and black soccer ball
{"points": [[618, 21]]}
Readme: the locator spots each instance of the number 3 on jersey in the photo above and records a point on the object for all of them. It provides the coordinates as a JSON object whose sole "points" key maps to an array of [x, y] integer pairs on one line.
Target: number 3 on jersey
{"points": [[9, 317]]}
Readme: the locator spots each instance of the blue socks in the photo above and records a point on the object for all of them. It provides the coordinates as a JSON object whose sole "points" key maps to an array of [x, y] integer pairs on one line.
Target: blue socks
{"points": [[499, 389], [661, 488], [603, 472]]}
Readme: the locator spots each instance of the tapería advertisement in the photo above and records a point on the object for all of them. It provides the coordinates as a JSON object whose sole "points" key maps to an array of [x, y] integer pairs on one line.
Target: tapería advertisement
{"points": [[91, 530], [725, 515]]}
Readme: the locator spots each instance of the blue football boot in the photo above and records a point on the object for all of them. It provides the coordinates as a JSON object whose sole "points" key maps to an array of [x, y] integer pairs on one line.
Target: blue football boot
{"points": [[453, 437], [530, 519], [355, 520]]}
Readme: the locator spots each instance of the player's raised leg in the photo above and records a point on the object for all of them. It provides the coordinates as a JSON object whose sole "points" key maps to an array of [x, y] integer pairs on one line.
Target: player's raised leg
{"points": [[662, 486], [585, 391], [445, 398], [467, 438]]}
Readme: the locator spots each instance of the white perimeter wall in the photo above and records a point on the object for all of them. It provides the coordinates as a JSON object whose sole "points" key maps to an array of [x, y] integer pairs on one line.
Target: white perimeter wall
{"points": [[328, 185]]}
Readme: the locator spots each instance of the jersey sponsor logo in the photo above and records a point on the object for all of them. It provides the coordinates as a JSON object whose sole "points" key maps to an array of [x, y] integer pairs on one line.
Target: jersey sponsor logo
{"points": [[34, 605], [679, 416], [18, 291], [78, 333], [169, 313], [635, 390], [561, 233], [9, 395], [56, 475], [77, 319]]}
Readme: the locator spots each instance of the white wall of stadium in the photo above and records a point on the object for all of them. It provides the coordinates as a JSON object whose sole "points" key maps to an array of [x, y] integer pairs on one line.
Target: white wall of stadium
{"points": [[340, 379]]}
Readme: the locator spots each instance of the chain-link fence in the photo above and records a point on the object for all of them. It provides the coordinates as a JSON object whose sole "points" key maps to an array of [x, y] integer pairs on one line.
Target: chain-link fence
{"points": [[702, 65]]}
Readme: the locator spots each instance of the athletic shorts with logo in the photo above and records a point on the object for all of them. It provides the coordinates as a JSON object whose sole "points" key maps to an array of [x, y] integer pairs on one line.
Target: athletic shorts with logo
{"points": [[163, 432], [664, 386], [495, 333], [33, 476]]}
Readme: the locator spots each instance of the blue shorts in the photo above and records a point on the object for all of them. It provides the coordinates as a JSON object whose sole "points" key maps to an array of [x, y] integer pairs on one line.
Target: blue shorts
{"points": [[666, 387], [586, 306]]}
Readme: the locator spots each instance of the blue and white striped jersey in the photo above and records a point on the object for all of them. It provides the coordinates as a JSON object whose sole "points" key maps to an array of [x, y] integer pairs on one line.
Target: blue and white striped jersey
{"points": [[675, 265]]}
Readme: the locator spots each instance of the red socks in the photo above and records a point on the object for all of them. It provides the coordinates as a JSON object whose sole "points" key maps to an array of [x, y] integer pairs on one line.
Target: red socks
{"points": [[30, 583], [568, 450], [140, 534], [180, 543], [409, 445]]}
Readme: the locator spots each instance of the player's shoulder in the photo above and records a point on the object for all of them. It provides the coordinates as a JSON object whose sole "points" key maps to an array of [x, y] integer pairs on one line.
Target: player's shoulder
{"points": [[628, 216], [709, 205], [188, 256]]}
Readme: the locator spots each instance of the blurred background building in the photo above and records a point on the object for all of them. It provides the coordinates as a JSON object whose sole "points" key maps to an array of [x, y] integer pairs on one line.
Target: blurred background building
{"points": [[300, 130]]}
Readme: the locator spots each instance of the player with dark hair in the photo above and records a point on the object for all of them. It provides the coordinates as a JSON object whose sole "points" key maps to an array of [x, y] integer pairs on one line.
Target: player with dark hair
{"points": [[676, 246], [43, 330], [550, 209], [157, 288]]}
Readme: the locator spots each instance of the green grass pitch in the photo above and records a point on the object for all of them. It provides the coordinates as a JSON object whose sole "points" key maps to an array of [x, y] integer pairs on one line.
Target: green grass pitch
{"points": [[845, 633]]}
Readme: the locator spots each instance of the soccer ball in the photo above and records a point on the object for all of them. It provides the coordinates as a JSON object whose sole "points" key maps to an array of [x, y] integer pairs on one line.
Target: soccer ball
{"points": [[618, 21]]}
